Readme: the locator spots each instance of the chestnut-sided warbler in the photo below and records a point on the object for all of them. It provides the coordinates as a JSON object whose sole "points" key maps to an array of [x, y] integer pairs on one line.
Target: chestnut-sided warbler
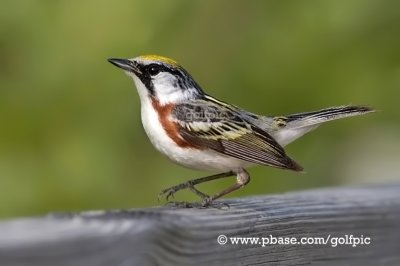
{"points": [[198, 131]]}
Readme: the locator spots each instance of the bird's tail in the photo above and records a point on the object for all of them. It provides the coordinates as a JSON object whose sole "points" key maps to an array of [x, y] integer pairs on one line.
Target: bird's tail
{"points": [[324, 115], [294, 126]]}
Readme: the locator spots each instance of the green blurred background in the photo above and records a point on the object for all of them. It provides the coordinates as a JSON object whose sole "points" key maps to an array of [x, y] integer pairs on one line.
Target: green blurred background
{"points": [[71, 137]]}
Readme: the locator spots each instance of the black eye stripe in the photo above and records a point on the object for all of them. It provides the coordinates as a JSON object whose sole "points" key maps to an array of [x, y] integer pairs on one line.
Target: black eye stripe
{"points": [[153, 69], [173, 71], [183, 79]]}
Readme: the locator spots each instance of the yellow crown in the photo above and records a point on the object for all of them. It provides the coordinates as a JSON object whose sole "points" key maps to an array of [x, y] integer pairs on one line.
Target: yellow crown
{"points": [[162, 59]]}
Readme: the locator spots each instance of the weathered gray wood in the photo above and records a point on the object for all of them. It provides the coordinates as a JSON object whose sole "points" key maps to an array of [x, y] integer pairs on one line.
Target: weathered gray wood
{"points": [[168, 236]]}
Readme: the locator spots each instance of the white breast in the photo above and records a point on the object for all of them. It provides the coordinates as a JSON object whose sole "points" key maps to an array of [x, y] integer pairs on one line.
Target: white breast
{"points": [[189, 157]]}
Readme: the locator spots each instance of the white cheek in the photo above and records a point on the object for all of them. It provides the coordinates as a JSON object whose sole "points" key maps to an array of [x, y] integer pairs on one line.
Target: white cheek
{"points": [[164, 89]]}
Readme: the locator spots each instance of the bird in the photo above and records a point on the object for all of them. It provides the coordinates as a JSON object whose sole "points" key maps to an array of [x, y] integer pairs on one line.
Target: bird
{"points": [[198, 131]]}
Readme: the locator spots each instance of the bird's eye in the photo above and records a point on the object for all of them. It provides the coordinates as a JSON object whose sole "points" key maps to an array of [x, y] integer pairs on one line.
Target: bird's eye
{"points": [[154, 69]]}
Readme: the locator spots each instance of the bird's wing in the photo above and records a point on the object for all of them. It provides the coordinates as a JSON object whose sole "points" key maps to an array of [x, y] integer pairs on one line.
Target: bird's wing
{"points": [[215, 125]]}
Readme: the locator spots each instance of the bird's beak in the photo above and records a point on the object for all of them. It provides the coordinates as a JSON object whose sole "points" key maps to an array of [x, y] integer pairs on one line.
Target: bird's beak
{"points": [[125, 64]]}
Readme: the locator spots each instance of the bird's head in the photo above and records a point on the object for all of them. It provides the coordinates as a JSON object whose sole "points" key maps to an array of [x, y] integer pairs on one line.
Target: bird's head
{"points": [[159, 78]]}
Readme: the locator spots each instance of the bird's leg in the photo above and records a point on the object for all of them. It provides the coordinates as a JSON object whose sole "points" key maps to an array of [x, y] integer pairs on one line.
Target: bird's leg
{"points": [[242, 178], [169, 192], [198, 192]]}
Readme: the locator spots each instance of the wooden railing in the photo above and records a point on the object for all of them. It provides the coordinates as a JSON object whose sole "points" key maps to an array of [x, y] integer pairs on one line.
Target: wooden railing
{"points": [[367, 219]]}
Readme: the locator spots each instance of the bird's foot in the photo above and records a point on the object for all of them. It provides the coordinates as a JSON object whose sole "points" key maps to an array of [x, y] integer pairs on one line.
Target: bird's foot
{"points": [[170, 192], [207, 202], [167, 193]]}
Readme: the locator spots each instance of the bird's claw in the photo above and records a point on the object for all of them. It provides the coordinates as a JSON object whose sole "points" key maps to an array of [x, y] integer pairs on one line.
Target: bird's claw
{"points": [[208, 202], [180, 204], [205, 203], [167, 193]]}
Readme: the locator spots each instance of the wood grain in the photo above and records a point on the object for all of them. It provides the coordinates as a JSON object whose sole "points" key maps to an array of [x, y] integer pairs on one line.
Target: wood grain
{"points": [[171, 236]]}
